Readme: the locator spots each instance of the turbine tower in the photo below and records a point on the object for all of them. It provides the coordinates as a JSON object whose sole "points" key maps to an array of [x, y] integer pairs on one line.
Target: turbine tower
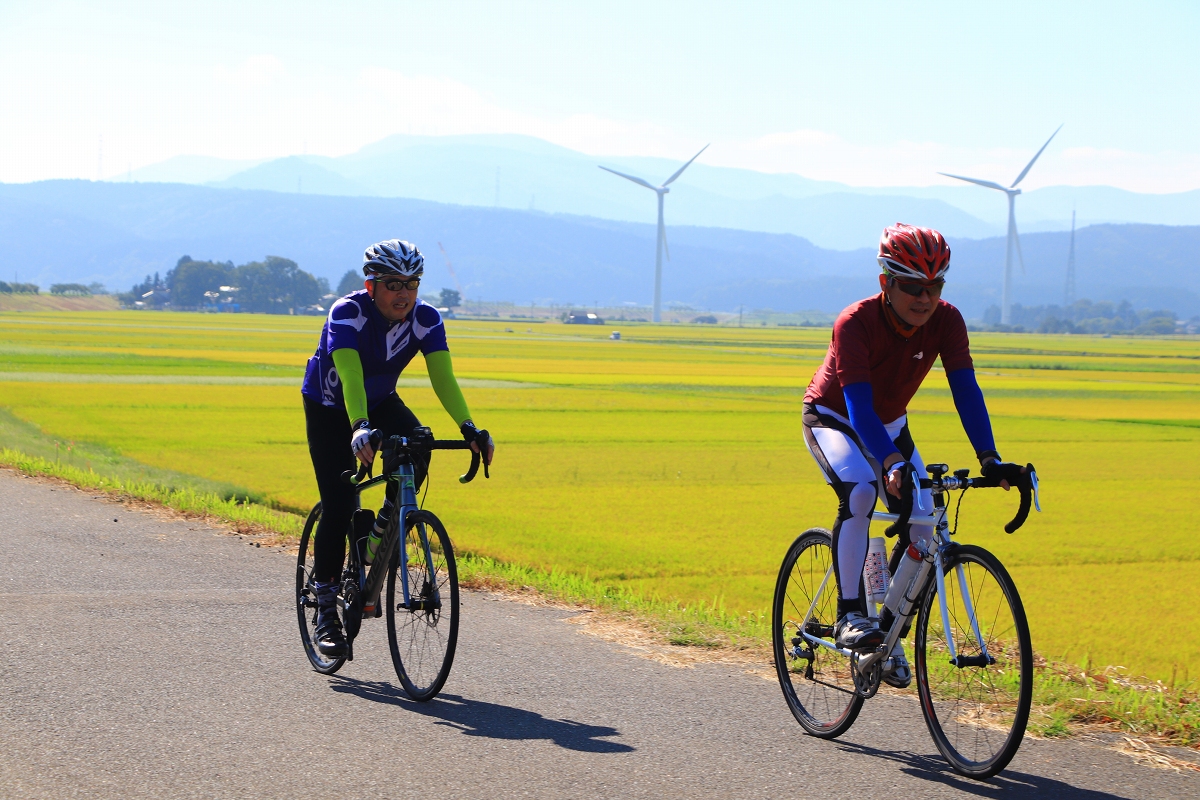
{"points": [[1013, 241], [1069, 294], [661, 191]]}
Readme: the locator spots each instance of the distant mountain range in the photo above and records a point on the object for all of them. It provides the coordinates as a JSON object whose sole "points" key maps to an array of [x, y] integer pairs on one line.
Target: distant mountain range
{"points": [[116, 233], [520, 172]]}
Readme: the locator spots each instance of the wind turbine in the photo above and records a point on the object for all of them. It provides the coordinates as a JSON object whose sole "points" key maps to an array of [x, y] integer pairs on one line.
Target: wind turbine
{"points": [[1013, 241], [661, 191]]}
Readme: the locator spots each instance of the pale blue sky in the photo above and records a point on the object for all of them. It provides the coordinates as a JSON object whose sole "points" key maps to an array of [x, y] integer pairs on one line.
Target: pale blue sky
{"points": [[865, 93]]}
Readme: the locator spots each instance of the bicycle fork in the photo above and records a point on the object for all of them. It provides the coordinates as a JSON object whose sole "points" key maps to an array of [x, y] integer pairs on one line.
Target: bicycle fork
{"points": [[408, 504], [981, 660]]}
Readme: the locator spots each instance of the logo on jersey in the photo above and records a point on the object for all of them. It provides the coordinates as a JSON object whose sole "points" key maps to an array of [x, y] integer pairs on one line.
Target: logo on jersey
{"points": [[919, 355], [397, 338], [347, 312], [328, 397]]}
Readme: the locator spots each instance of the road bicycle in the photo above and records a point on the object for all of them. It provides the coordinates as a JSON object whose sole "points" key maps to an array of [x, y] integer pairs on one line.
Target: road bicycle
{"points": [[422, 582], [973, 660]]}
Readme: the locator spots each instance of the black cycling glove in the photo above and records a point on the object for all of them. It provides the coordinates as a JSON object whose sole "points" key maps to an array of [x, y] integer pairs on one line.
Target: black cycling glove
{"points": [[479, 436], [1003, 471]]}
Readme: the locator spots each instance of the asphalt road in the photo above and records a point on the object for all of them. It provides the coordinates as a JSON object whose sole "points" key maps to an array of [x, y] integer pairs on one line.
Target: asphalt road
{"points": [[151, 657]]}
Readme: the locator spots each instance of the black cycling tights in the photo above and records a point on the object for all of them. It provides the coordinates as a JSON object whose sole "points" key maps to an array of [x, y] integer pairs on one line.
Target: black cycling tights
{"points": [[329, 445]]}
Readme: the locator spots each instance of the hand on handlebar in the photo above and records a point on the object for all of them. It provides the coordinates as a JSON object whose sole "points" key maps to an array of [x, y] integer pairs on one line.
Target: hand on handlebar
{"points": [[894, 477], [363, 443], [478, 437], [1008, 473]]}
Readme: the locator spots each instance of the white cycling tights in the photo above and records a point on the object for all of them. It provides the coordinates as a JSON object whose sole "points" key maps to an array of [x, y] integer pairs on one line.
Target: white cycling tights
{"points": [[856, 477]]}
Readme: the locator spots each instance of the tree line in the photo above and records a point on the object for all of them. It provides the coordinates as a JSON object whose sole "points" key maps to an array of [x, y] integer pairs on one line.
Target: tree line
{"points": [[18, 288], [274, 285], [1084, 316]]}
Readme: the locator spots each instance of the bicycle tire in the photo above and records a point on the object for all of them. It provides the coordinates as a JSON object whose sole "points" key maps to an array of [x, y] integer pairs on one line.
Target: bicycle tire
{"points": [[977, 713], [422, 640], [819, 691], [306, 599]]}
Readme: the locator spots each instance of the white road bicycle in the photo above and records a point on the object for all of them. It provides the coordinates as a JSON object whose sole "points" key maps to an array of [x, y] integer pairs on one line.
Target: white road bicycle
{"points": [[972, 657]]}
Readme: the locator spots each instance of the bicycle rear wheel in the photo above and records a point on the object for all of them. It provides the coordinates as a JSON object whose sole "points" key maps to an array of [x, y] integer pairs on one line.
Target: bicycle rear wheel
{"points": [[306, 598], [423, 633], [977, 706], [816, 681]]}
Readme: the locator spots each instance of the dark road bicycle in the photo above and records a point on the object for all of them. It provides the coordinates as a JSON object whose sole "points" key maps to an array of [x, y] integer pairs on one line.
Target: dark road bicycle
{"points": [[414, 556], [973, 660]]}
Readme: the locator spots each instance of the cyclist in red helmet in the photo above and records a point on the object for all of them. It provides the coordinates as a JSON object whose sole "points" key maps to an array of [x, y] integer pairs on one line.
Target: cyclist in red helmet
{"points": [[855, 412]]}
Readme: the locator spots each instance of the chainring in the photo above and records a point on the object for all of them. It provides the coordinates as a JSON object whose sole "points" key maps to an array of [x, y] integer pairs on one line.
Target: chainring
{"points": [[352, 612], [866, 685]]}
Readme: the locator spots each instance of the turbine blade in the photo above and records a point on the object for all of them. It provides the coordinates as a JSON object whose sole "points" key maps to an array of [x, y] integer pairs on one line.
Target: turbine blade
{"points": [[630, 178], [1025, 171], [679, 171], [988, 184]]}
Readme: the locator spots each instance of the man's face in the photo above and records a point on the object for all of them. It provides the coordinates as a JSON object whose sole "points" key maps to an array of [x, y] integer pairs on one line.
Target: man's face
{"points": [[393, 296], [913, 309]]}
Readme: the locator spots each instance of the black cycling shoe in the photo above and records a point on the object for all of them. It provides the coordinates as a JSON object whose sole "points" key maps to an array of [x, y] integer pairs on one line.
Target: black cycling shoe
{"points": [[856, 632], [331, 639]]}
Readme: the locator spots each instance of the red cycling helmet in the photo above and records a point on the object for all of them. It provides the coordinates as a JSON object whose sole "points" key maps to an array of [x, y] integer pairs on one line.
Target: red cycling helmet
{"points": [[911, 253]]}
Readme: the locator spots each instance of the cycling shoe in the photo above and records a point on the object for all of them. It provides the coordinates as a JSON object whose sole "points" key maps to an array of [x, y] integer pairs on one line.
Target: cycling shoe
{"points": [[856, 632]]}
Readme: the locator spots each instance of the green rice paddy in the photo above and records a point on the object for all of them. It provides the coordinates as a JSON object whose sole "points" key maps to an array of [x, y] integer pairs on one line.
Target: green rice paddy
{"points": [[670, 463]]}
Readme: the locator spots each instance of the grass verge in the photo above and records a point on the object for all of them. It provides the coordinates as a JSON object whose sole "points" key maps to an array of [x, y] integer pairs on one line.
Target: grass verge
{"points": [[1068, 699]]}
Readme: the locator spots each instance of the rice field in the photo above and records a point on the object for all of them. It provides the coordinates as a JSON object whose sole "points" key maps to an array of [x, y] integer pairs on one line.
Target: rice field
{"points": [[671, 462]]}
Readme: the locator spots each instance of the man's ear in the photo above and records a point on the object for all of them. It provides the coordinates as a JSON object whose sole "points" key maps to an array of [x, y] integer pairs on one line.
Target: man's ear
{"points": [[882, 281], [369, 285]]}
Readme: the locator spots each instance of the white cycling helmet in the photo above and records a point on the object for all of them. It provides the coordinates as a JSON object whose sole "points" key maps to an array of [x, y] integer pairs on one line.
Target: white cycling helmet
{"points": [[393, 257]]}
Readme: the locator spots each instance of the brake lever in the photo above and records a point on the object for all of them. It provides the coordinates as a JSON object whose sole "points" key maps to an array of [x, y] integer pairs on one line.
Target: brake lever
{"points": [[1033, 480], [916, 479]]}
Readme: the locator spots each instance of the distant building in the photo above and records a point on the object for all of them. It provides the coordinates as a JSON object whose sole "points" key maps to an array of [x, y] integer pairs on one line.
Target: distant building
{"points": [[580, 318]]}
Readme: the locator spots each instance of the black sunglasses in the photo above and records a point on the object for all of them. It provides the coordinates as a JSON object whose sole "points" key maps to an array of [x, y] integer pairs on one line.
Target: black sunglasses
{"points": [[916, 289], [395, 284]]}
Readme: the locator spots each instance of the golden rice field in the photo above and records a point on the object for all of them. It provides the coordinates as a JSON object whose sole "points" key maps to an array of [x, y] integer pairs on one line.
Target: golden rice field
{"points": [[672, 462]]}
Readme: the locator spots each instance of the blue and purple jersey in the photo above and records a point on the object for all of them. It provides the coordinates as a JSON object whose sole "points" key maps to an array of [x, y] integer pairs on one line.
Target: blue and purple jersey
{"points": [[384, 347]]}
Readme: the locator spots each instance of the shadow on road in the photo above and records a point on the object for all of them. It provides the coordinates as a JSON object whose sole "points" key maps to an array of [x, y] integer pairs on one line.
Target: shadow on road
{"points": [[1008, 784], [489, 720]]}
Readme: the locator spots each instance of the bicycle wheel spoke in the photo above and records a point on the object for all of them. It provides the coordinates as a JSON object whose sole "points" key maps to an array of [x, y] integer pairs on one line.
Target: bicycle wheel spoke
{"points": [[306, 608], [423, 633], [976, 710], [818, 684]]}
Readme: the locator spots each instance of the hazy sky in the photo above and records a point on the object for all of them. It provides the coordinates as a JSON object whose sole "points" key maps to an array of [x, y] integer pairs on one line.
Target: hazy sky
{"points": [[864, 93]]}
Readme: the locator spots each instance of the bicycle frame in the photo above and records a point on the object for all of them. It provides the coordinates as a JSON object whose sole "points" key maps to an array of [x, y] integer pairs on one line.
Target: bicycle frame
{"points": [[370, 583], [942, 542]]}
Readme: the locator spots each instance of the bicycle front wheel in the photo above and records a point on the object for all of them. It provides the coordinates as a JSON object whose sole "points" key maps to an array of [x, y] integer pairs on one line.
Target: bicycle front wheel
{"points": [[306, 598], [975, 704], [816, 681], [423, 631]]}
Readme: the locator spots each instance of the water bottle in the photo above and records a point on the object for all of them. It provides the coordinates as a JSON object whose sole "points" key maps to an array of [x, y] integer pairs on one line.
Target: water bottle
{"points": [[875, 572], [381, 523], [909, 573]]}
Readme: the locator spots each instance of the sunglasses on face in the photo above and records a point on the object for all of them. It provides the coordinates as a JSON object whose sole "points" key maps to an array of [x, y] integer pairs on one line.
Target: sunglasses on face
{"points": [[916, 289], [395, 284]]}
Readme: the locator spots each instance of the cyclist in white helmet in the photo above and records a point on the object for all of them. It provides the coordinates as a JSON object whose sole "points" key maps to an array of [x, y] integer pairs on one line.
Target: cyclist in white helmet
{"points": [[350, 389]]}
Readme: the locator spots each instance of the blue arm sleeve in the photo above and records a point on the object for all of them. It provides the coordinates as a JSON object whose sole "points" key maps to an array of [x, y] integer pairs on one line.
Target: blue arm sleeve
{"points": [[968, 399], [861, 407]]}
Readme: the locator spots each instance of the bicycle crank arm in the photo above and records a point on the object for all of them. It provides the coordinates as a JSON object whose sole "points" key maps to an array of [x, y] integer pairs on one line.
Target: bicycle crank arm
{"points": [[868, 660]]}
